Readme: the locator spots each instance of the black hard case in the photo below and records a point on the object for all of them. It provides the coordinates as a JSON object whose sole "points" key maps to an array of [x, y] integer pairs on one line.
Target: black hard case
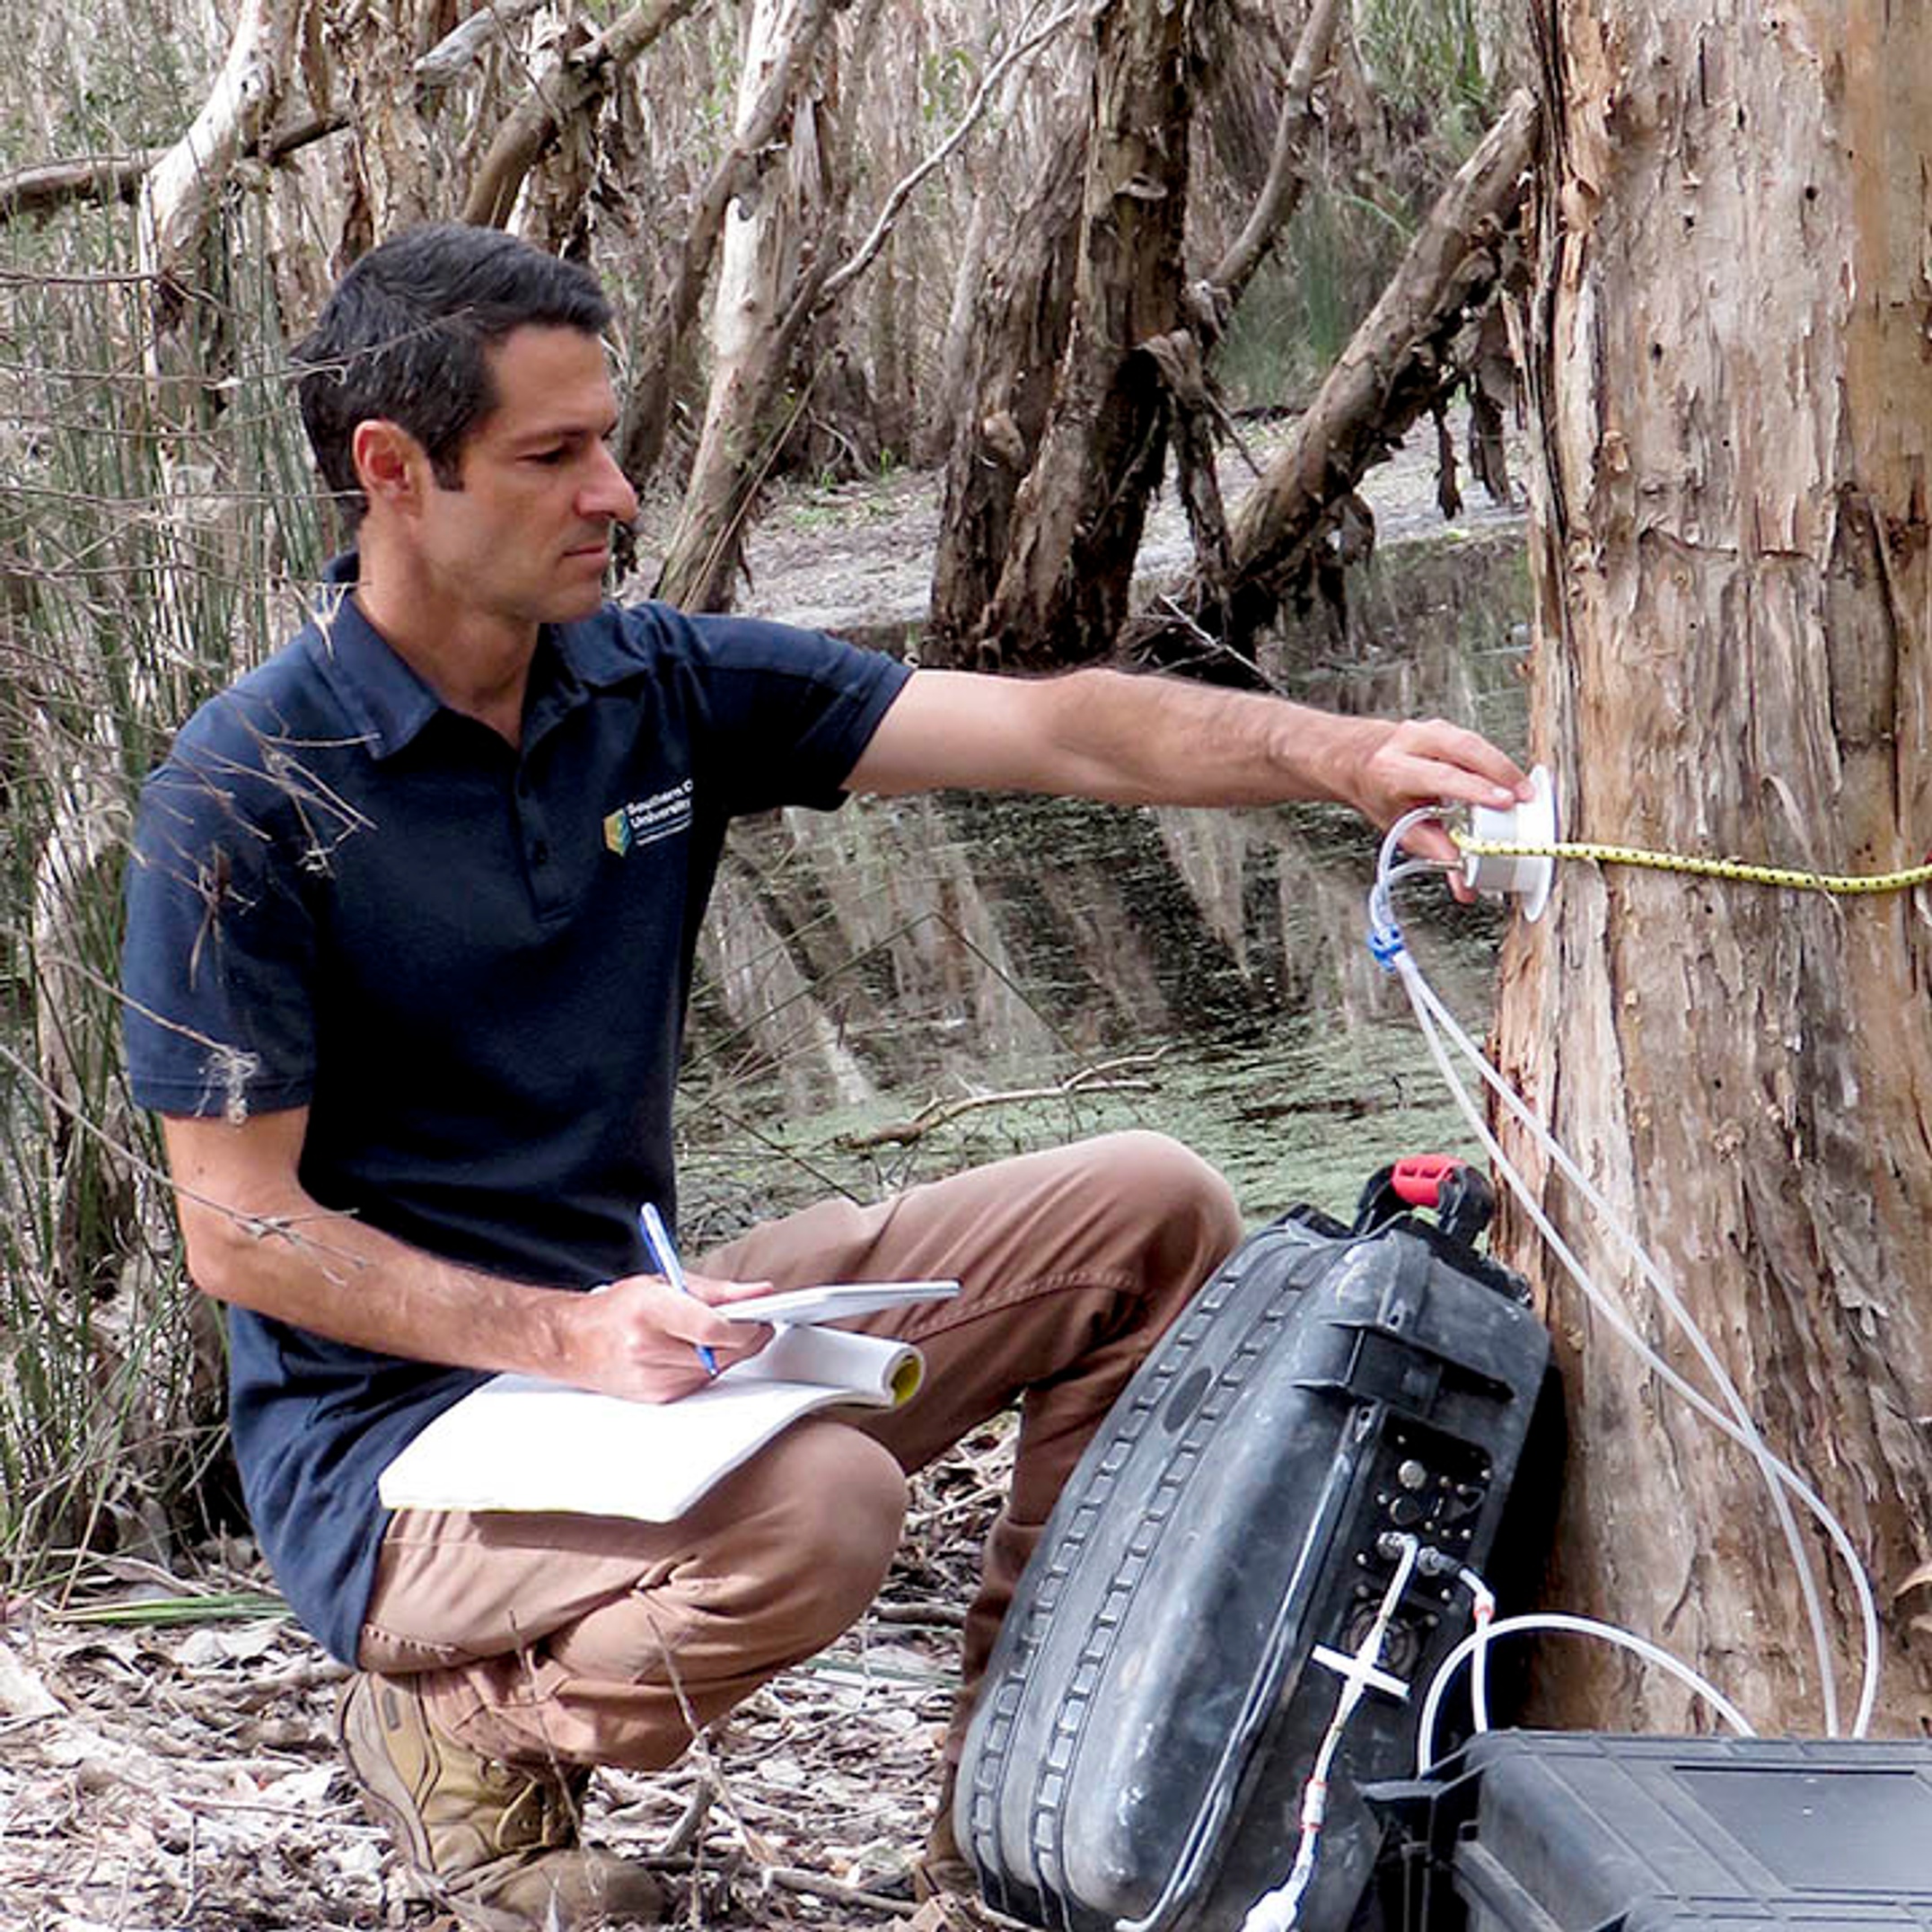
{"points": [[1582, 1831], [1150, 1710]]}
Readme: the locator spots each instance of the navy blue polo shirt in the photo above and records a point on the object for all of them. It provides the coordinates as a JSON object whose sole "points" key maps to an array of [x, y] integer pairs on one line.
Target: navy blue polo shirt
{"points": [[469, 961]]}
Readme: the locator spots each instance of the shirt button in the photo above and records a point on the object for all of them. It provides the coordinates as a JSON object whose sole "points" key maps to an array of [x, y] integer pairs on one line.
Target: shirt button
{"points": [[540, 853]]}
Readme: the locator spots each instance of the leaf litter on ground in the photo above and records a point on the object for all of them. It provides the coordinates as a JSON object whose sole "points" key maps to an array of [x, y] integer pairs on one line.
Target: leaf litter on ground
{"points": [[163, 1771]]}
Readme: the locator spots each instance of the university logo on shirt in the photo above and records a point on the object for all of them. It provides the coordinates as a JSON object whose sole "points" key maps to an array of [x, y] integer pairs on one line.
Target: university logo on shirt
{"points": [[645, 821]]}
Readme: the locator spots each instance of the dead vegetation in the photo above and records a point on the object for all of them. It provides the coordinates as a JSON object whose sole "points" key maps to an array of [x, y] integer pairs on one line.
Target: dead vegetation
{"points": [[162, 1775]]}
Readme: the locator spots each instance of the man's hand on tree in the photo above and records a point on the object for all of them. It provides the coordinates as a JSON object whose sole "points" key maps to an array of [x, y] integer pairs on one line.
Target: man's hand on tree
{"points": [[1397, 768]]}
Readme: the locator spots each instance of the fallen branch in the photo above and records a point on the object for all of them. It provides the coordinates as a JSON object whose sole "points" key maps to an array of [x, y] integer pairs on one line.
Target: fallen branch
{"points": [[54, 184], [1401, 360], [787, 1878], [1125, 1074], [1218, 292]]}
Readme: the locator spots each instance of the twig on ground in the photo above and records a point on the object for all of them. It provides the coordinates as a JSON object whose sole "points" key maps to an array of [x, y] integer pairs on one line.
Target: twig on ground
{"points": [[1126, 1074], [792, 1878]]}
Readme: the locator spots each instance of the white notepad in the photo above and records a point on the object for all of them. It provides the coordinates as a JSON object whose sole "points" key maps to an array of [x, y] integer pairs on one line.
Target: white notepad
{"points": [[519, 1443]]}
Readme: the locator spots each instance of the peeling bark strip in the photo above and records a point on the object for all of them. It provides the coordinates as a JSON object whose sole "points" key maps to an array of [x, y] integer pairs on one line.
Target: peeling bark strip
{"points": [[1405, 351], [1733, 405]]}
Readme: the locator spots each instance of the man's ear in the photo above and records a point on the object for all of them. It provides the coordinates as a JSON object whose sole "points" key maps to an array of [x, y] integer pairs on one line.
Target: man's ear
{"points": [[391, 466]]}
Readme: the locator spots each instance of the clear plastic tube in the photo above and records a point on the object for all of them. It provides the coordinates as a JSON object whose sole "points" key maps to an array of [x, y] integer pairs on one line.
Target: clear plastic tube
{"points": [[1577, 1626], [1778, 1475], [1277, 1910], [1385, 939]]}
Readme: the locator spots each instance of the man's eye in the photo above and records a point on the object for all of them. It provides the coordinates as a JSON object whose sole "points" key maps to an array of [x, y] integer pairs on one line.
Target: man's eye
{"points": [[550, 457]]}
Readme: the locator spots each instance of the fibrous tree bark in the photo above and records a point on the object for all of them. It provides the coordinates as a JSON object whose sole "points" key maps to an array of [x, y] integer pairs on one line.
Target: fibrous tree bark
{"points": [[1732, 558], [1063, 589], [1022, 314], [768, 247], [392, 172]]}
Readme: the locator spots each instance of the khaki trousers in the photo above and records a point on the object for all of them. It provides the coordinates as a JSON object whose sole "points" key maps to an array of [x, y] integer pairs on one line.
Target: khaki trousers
{"points": [[601, 1640]]}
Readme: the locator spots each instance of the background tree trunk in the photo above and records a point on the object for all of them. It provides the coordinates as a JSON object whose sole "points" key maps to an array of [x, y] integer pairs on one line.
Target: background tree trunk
{"points": [[768, 247], [1734, 408], [1022, 315], [373, 47], [1412, 352], [664, 340], [1063, 591]]}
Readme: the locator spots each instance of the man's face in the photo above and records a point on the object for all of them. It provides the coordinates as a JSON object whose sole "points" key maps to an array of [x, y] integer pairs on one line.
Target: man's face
{"points": [[527, 537]]}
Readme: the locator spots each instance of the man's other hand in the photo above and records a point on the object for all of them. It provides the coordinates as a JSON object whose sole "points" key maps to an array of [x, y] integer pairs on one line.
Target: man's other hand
{"points": [[639, 1338]]}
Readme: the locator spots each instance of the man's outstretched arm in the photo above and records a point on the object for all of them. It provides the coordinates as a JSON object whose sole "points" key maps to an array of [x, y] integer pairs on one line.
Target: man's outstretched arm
{"points": [[1144, 740]]}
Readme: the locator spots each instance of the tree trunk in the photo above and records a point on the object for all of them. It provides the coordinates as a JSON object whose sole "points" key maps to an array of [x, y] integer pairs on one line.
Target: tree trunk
{"points": [[948, 394], [1281, 190], [182, 190], [562, 105], [1023, 312], [1063, 590], [663, 342], [1733, 404], [393, 179], [766, 252]]}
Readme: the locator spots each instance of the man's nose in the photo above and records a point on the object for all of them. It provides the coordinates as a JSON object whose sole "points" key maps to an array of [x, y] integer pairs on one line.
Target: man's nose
{"points": [[608, 494]]}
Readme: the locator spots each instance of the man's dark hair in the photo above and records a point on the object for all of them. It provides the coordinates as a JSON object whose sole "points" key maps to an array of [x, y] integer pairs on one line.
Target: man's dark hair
{"points": [[405, 337]]}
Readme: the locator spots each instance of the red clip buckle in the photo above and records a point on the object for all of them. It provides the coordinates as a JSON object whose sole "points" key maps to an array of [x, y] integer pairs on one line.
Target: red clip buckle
{"points": [[1418, 1179]]}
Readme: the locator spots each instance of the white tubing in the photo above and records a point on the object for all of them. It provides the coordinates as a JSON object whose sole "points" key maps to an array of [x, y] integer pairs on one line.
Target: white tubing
{"points": [[1577, 1626], [1277, 1910], [1386, 941], [1483, 1601], [1778, 1475]]}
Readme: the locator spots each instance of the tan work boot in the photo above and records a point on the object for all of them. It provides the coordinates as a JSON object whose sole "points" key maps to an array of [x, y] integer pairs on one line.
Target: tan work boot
{"points": [[497, 1842]]}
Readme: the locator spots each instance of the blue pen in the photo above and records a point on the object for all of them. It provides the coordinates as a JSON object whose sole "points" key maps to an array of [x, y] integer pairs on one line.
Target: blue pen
{"points": [[657, 1239]]}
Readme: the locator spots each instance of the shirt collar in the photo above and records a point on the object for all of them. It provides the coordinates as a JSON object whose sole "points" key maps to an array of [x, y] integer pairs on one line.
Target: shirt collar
{"points": [[390, 704]]}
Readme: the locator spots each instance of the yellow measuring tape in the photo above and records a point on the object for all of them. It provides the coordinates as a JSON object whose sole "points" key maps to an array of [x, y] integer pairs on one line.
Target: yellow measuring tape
{"points": [[1792, 880]]}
